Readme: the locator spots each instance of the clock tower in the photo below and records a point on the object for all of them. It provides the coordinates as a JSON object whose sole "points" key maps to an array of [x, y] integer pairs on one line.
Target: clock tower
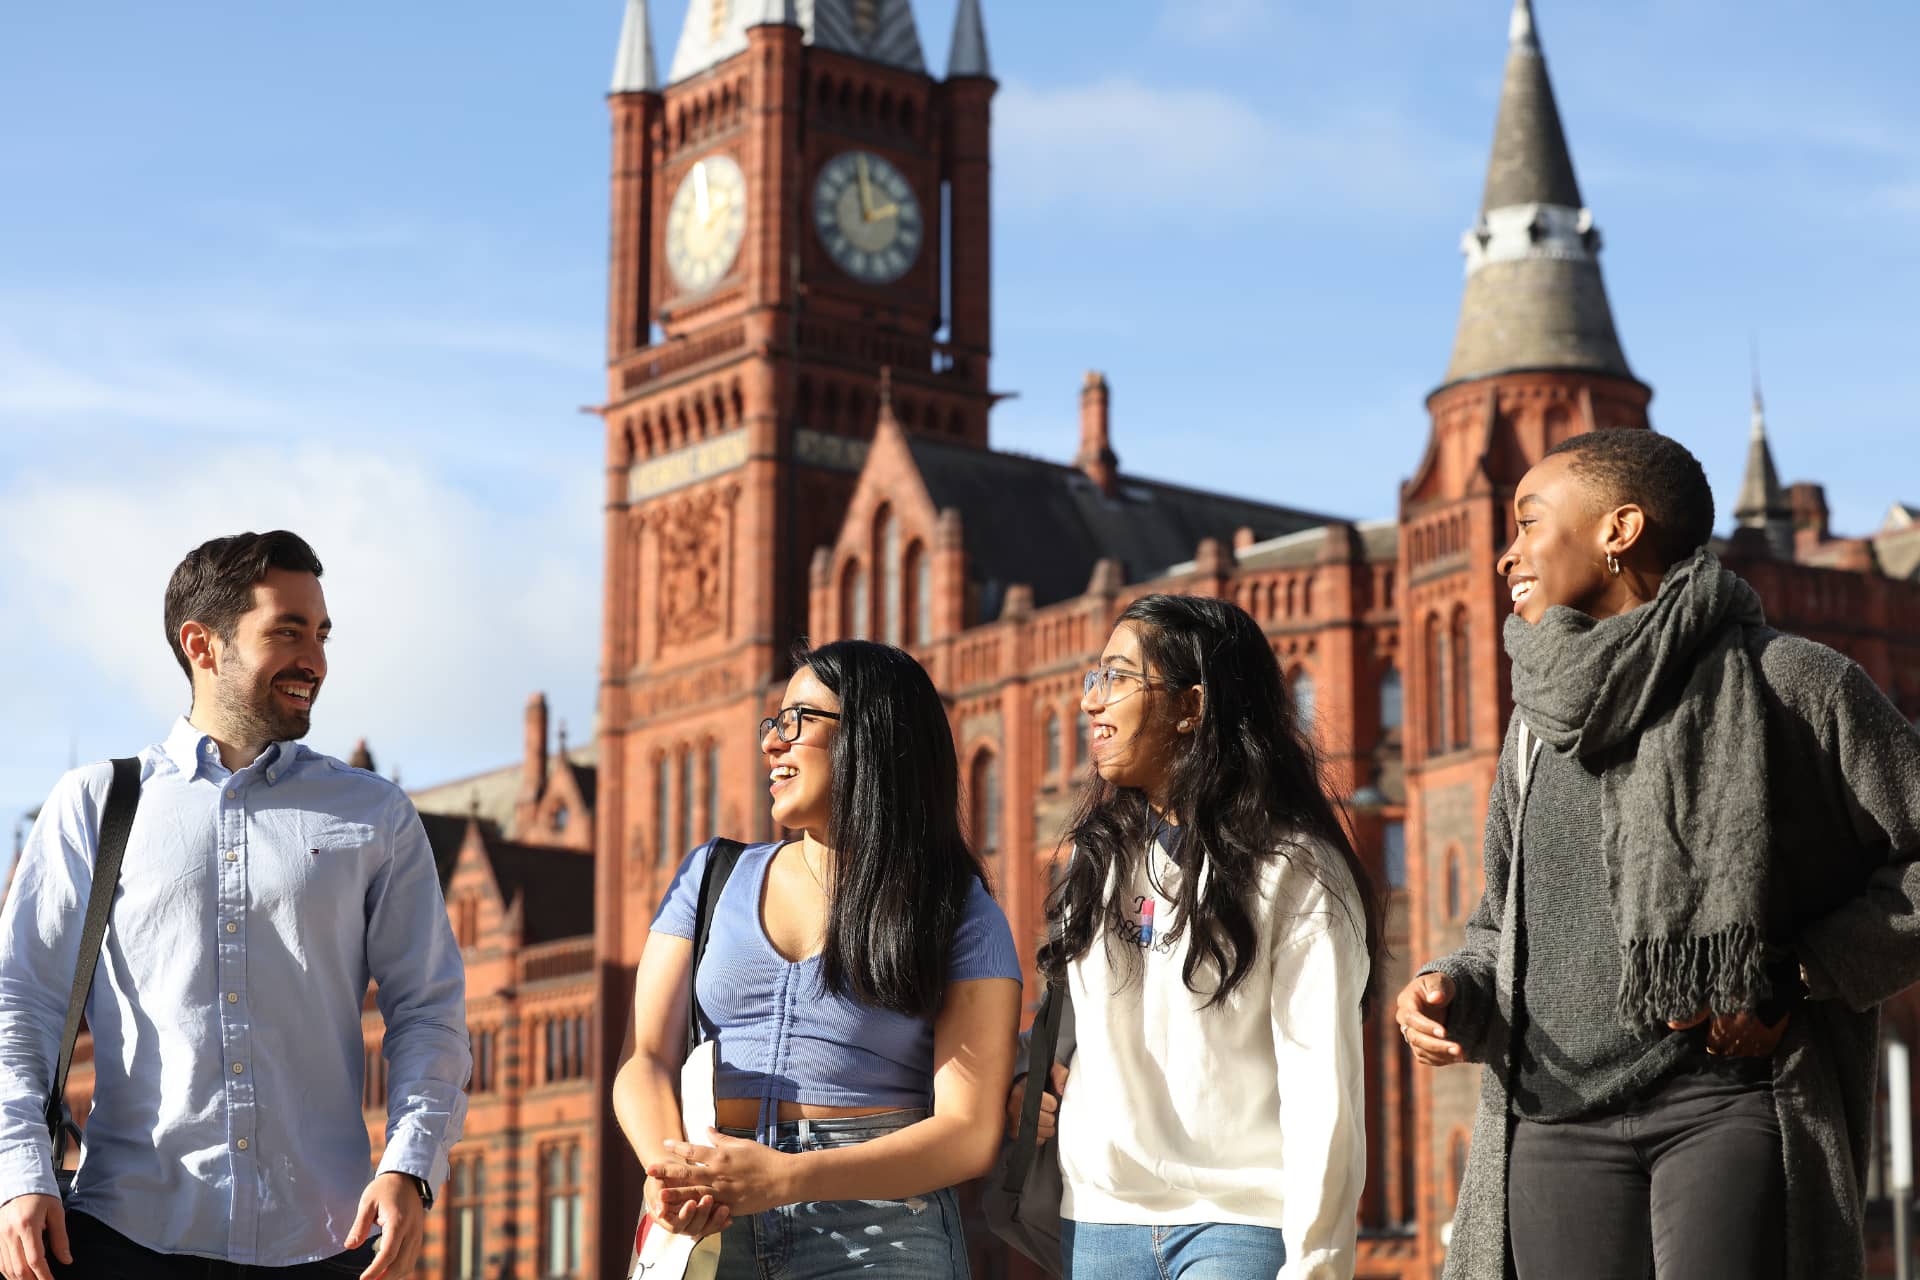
{"points": [[799, 218]]}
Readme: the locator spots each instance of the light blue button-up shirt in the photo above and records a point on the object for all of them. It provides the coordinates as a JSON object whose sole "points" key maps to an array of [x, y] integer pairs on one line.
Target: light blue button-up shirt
{"points": [[254, 907]]}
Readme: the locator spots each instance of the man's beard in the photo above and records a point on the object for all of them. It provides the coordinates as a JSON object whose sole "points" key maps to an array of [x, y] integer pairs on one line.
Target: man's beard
{"points": [[249, 710]]}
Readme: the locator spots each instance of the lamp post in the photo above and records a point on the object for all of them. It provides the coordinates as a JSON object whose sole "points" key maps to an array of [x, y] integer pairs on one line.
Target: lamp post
{"points": [[1900, 1153]]}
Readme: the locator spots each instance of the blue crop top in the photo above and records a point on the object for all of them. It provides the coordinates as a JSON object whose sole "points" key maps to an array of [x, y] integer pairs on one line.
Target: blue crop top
{"points": [[779, 1036]]}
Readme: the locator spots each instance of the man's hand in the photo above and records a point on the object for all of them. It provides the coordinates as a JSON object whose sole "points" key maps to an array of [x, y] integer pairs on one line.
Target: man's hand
{"points": [[1049, 1104], [1738, 1035], [1422, 1003], [31, 1228], [393, 1201]]}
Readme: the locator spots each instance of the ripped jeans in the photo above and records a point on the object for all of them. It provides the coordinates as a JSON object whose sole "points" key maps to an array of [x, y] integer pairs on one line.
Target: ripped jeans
{"points": [[918, 1238]]}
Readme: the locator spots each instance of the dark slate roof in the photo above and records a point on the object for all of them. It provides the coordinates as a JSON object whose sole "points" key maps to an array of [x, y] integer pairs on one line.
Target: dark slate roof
{"points": [[557, 883], [1530, 162], [587, 778], [445, 834], [1046, 525]]}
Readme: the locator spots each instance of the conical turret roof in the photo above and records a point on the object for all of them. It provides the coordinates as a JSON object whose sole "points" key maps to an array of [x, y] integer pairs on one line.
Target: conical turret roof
{"points": [[1534, 298]]}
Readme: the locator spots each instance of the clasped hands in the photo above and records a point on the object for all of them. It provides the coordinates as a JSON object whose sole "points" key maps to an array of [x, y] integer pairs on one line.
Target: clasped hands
{"points": [[698, 1189], [1423, 1003]]}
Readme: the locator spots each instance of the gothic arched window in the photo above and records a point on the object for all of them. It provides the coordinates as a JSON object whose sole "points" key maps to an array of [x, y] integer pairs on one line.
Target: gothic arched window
{"points": [[853, 602], [1050, 749], [916, 610], [1303, 694], [1392, 712], [1461, 708], [888, 553], [663, 806], [1437, 673], [983, 795]]}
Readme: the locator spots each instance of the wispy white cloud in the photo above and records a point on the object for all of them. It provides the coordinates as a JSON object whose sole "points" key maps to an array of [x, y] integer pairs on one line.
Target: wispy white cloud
{"points": [[448, 607], [1119, 144]]}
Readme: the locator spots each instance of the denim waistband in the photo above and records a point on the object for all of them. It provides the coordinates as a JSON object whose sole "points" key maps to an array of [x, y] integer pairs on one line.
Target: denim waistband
{"points": [[834, 1127]]}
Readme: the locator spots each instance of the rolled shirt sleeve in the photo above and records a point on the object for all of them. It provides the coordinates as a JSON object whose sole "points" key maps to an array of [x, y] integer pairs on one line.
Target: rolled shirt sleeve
{"points": [[412, 955], [40, 928]]}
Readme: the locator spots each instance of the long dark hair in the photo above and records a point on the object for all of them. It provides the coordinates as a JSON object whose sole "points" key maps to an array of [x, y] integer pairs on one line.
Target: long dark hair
{"points": [[902, 870], [1243, 791]]}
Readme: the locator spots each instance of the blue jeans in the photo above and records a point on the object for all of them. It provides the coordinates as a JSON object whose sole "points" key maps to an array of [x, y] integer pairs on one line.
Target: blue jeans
{"points": [[911, 1239], [1209, 1251]]}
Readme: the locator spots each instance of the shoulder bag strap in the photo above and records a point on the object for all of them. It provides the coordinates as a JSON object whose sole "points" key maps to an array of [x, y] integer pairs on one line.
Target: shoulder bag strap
{"points": [[116, 821], [721, 857], [1046, 1033]]}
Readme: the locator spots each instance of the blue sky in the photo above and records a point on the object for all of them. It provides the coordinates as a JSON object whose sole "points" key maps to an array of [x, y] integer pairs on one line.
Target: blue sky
{"points": [[341, 267]]}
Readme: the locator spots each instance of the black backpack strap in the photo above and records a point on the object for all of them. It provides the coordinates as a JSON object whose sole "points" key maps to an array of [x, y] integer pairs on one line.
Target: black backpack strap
{"points": [[116, 822], [721, 857], [1046, 1033]]}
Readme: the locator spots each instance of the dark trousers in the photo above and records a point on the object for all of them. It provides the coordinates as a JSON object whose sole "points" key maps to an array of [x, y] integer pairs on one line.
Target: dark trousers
{"points": [[1685, 1182], [101, 1253]]}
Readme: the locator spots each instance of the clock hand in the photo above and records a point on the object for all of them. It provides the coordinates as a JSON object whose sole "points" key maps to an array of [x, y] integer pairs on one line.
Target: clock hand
{"points": [[866, 190], [884, 211]]}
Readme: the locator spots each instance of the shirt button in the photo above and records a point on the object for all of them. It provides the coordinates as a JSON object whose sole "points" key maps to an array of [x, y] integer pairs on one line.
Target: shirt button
{"points": [[231, 793], [232, 927], [232, 856], [242, 1144], [233, 997], [237, 1068]]}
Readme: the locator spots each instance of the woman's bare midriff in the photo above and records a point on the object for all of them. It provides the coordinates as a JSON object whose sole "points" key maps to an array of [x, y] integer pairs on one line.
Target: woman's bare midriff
{"points": [[744, 1113]]}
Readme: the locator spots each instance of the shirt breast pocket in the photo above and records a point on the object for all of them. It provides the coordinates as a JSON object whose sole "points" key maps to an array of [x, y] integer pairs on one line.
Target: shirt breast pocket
{"points": [[332, 860]]}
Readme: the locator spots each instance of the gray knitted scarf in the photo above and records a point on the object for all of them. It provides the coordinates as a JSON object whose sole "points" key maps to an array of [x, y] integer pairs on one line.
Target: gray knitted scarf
{"points": [[1665, 703]]}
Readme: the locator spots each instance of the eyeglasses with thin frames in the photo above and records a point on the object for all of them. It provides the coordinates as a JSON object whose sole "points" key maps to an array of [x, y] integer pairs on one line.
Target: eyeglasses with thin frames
{"points": [[1099, 682], [788, 721]]}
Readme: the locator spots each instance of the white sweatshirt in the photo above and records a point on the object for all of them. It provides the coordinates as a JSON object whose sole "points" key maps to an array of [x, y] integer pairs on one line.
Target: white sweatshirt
{"points": [[1249, 1112]]}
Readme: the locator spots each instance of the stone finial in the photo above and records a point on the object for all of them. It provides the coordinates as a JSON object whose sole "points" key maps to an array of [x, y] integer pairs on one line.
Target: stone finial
{"points": [[1211, 558], [1017, 604], [361, 758], [968, 56], [1109, 575]]}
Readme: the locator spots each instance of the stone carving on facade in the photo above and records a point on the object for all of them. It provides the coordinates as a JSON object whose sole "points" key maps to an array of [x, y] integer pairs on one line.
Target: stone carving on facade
{"points": [[695, 540]]}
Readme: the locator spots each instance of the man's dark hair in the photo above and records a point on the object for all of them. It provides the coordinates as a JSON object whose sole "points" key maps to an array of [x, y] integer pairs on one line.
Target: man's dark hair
{"points": [[1654, 472], [214, 584]]}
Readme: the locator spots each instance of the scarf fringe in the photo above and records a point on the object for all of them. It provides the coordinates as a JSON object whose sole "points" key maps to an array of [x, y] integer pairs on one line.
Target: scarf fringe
{"points": [[1672, 979]]}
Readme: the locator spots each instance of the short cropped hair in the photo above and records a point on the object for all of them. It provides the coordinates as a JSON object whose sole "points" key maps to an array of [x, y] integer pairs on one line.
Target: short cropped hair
{"points": [[214, 584], [1655, 473]]}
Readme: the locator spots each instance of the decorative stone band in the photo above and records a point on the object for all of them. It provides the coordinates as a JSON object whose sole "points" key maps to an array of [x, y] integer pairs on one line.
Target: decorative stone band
{"points": [[1531, 231], [686, 466]]}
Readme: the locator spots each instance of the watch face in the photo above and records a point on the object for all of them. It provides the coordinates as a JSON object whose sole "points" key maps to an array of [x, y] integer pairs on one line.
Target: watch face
{"points": [[867, 217], [706, 222]]}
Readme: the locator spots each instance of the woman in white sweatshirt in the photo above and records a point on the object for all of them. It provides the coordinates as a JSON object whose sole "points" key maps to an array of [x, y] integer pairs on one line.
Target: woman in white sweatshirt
{"points": [[1214, 929]]}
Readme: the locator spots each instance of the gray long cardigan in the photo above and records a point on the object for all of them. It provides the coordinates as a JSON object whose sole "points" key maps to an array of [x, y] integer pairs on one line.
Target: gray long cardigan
{"points": [[1845, 816]]}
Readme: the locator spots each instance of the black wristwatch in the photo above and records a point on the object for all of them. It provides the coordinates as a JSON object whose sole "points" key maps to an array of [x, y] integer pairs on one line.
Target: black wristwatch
{"points": [[426, 1192]]}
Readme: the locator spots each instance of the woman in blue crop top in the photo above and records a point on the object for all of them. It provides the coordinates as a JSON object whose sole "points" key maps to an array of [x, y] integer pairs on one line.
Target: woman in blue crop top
{"points": [[861, 988]]}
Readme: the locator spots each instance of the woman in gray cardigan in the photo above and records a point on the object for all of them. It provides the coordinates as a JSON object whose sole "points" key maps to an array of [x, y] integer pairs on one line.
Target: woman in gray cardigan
{"points": [[1703, 875]]}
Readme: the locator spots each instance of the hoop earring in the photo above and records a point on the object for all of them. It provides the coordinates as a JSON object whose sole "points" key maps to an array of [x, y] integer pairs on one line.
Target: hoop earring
{"points": [[1613, 564]]}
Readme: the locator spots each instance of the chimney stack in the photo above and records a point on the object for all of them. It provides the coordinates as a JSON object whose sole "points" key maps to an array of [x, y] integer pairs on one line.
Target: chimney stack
{"points": [[1096, 456], [533, 770]]}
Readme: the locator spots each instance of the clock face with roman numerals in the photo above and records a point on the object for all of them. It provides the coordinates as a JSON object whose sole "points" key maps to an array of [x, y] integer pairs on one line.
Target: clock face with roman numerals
{"points": [[867, 217], [706, 222]]}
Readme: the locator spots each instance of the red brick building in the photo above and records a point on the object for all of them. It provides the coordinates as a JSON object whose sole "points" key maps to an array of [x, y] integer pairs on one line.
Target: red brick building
{"points": [[799, 336]]}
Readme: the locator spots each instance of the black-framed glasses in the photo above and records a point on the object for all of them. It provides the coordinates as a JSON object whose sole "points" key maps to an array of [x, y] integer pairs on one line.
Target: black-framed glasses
{"points": [[1100, 681], [788, 721]]}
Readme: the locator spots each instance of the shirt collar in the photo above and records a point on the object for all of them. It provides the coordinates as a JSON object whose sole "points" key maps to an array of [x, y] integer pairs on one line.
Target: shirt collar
{"points": [[192, 750]]}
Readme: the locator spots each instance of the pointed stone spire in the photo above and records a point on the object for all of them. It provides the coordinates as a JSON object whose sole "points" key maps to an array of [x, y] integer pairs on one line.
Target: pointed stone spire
{"points": [[633, 67], [1534, 298], [1763, 504], [881, 30], [968, 57], [361, 758]]}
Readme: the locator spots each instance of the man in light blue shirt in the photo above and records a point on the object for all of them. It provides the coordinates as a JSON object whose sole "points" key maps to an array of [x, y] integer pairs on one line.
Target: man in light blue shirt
{"points": [[264, 885]]}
